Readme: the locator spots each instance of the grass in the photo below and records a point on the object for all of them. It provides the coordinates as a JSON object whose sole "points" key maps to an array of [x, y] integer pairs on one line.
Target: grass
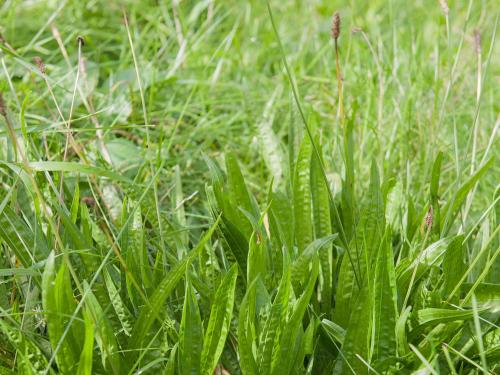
{"points": [[208, 187]]}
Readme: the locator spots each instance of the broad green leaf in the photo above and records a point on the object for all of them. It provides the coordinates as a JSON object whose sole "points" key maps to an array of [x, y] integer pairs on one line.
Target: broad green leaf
{"points": [[435, 315], [104, 334], [190, 334], [334, 331], [284, 356], [450, 209], [281, 220], [30, 357], [218, 325], [385, 303], [401, 338], [434, 191], [269, 142], [302, 197], [28, 247], [239, 194], [60, 166], [170, 367], [150, 311], [300, 270], [274, 325], [246, 317], [453, 265], [359, 259], [59, 305], [322, 228], [358, 335], [85, 362]]}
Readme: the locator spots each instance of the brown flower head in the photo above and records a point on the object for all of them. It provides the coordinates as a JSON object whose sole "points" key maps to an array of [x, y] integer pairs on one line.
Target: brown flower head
{"points": [[336, 26], [39, 63]]}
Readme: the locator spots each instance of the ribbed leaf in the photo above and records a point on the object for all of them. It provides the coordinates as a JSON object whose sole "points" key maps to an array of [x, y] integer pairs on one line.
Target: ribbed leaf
{"points": [[248, 364], [59, 305], [450, 210], [359, 258], [358, 335], [435, 316], [453, 265], [300, 269], [322, 228], [218, 325], [27, 247], [239, 195], [302, 196], [334, 331], [190, 335], [274, 324], [85, 363], [150, 311], [284, 357], [104, 333], [385, 303], [434, 191]]}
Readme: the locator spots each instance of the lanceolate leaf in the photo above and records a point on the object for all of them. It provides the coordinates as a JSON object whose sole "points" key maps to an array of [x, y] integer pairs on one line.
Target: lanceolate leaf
{"points": [[385, 306], [453, 265], [434, 190], [239, 195], [274, 324], [28, 247], [302, 196], [322, 228], [59, 305], [358, 260], [190, 335], [218, 325], [358, 335], [85, 362], [246, 317], [104, 334], [151, 310], [450, 210], [284, 357]]}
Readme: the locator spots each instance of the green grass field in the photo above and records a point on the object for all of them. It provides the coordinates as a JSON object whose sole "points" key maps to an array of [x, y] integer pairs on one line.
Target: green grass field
{"points": [[211, 187]]}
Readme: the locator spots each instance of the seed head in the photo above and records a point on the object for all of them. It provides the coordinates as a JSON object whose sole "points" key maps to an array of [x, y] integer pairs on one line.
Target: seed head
{"points": [[3, 110], [477, 41], [39, 63], [429, 218], [336, 26], [80, 40], [444, 7]]}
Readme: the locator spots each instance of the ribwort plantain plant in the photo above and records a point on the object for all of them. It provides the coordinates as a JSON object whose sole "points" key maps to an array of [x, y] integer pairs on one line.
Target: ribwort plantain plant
{"points": [[215, 190]]}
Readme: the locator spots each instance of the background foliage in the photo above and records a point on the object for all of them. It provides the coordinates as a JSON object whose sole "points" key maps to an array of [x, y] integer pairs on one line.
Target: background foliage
{"points": [[167, 203]]}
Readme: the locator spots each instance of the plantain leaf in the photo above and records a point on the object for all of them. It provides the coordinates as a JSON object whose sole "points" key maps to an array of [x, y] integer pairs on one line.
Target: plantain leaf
{"points": [[274, 325], [190, 335], [150, 311], [302, 196], [286, 353], [358, 335], [85, 362], [434, 191], [385, 303], [248, 364], [453, 265], [218, 325], [59, 305], [360, 257], [104, 333], [322, 228], [450, 209]]}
